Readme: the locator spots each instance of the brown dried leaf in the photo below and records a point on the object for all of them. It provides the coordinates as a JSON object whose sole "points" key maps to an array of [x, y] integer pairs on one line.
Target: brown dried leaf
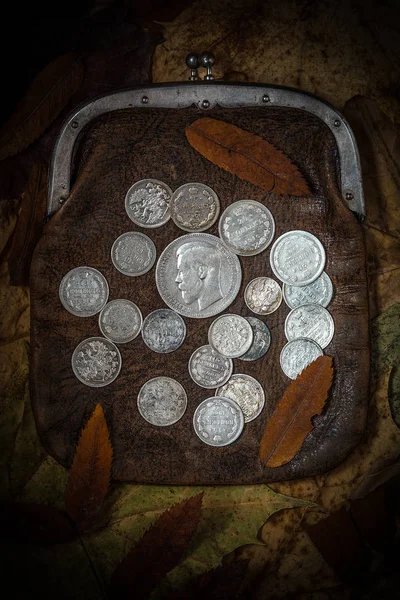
{"points": [[34, 524], [291, 421], [246, 155]]}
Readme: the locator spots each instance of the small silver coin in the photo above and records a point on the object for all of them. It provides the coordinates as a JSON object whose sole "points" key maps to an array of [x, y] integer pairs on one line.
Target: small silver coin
{"points": [[247, 227], [261, 340], [319, 291], [247, 392], [208, 368], [297, 355], [194, 207], [311, 321], [120, 321], [96, 362], [218, 421], [163, 331], [231, 335], [263, 295], [147, 203], [297, 258], [162, 401], [133, 253], [83, 291]]}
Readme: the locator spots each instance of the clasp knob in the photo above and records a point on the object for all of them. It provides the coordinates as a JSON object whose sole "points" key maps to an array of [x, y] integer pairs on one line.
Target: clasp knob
{"points": [[192, 61], [207, 60]]}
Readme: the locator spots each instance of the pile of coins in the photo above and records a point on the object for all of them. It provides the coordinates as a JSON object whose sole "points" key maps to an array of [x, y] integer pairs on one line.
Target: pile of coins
{"points": [[198, 275]]}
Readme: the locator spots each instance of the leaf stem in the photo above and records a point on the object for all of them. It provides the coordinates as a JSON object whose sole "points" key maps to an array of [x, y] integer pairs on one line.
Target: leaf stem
{"points": [[93, 568]]}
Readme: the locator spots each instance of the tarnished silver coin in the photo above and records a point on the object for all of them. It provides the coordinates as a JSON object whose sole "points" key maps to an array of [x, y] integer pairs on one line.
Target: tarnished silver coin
{"points": [[96, 362], [261, 340], [319, 291], [83, 291], [218, 421], [297, 258], [133, 253], [208, 368], [247, 392], [230, 335], [247, 227], [297, 355], [197, 276], [147, 203], [120, 321], [162, 401], [263, 295], [194, 207], [310, 321], [163, 331]]}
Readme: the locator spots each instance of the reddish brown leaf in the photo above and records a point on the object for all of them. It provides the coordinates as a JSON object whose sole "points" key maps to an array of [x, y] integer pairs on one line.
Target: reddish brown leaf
{"points": [[34, 524], [246, 155], [291, 421]]}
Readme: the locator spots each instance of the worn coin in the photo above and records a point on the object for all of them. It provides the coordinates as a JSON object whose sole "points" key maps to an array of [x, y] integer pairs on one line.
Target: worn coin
{"points": [[120, 321], [96, 362], [230, 335], [147, 203], [163, 331], [297, 355], [319, 291], [194, 207], [83, 291], [261, 340], [247, 392], [133, 253], [310, 321], [247, 227], [297, 258], [162, 401], [263, 295], [218, 421], [208, 368], [197, 276]]}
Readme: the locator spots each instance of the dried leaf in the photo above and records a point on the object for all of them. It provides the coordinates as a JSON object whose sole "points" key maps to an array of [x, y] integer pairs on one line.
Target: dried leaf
{"points": [[221, 583], [291, 421], [34, 524], [89, 477], [246, 155]]}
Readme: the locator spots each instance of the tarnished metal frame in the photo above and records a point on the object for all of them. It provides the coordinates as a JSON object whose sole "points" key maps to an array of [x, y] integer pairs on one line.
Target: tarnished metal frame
{"points": [[206, 95]]}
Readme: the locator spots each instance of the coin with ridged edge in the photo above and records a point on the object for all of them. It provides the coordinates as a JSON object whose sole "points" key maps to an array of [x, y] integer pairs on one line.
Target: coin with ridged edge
{"points": [[162, 401], [208, 368], [133, 253], [247, 227], [194, 207], [247, 392], [83, 291], [163, 331], [263, 295], [297, 355], [96, 362], [147, 203], [120, 321], [297, 258], [261, 340], [310, 321], [218, 421], [319, 291], [231, 335]]}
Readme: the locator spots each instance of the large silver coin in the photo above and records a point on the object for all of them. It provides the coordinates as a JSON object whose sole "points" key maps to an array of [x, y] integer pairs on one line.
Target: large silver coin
{"points": [[230, 335], [208, 368], [133, 253], [96, 362], [197, 276], [218, 421], [194, 207], [261, 340], [247, 227], [247, 392], [83, 291], [162, 401], [147, 203], [297, 258], [263, 295], [310, 321], [163, 331], [120, 321], [319, 291], [297, 355]]}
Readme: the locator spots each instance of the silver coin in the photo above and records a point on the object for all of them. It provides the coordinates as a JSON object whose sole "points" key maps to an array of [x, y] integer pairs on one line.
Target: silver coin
{"points": [[319, 291], [208, 368], [96, 362], [297, 355], [247, 227], [297, 258], [147, 203], [162, 401], [83, 291], [230, 335], [261, 340], [247, 392], [163, 331], [133, 253], [310, 321], [120, 321], [194, 207], [263, 295], [218, 421], [197, 276]]}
